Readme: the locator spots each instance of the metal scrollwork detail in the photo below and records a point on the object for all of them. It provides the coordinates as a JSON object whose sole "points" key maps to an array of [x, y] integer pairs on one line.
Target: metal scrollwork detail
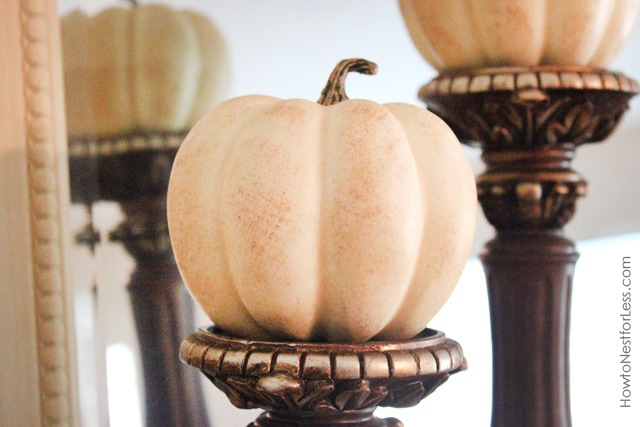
{"points": [[533, 108], [530, 204], [529, 190]]}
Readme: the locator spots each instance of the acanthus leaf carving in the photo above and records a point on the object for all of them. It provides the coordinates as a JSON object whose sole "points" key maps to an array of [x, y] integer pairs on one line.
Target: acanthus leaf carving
{"points": [[506, 120]]}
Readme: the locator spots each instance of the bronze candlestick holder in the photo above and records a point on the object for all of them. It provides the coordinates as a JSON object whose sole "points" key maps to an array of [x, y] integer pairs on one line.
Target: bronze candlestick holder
{"points": [[323, 384], [133, 170], [528, 122]]}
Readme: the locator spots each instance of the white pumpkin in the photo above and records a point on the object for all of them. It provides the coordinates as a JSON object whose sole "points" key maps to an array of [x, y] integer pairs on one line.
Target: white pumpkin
{"points": [[462, 34], [143, 67], [295, 220]]}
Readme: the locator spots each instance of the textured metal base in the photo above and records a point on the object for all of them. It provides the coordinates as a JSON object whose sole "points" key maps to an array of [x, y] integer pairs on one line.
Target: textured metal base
{"points": [[324, 384]]}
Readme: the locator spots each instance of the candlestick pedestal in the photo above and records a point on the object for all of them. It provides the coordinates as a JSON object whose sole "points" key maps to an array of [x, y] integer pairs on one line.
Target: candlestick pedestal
{"points": [[323, 384], [528, 122]]}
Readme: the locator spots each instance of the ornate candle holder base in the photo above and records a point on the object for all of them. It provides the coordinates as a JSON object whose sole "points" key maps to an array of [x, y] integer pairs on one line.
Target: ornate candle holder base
{"points": [[323, 384]]}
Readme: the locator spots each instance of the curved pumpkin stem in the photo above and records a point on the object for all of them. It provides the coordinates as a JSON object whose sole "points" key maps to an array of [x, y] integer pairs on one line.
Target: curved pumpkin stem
{"points": [[334, 92]]}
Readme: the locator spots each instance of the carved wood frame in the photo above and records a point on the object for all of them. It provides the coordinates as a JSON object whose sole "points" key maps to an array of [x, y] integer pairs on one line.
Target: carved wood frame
{"points": [[38, 379]]}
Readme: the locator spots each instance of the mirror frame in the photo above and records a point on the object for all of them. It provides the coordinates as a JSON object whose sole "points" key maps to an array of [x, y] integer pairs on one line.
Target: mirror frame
{"points": [[38, 377]]}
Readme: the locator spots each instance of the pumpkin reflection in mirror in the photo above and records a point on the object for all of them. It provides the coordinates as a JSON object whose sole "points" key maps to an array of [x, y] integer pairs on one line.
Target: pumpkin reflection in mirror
{"points": [[143, 67]]}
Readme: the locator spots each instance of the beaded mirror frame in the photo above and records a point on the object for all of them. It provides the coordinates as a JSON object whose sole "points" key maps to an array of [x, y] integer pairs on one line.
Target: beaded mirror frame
{"points": [[35, 299]]}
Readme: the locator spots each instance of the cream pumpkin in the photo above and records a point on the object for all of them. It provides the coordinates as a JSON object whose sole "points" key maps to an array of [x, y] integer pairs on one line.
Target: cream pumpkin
{"points": [[300, 221], [461, 34], [145, 67]]}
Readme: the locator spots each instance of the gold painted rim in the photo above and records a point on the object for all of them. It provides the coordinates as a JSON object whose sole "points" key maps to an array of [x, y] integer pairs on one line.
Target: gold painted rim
{"points": [[430, 353], [528, 78]]}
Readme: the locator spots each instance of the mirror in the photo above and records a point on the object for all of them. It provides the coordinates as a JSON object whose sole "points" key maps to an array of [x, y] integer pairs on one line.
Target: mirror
{"points": [[136, 78]]}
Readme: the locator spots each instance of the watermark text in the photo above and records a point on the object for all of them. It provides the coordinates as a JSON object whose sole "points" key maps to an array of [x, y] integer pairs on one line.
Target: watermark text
{"points": [[625, 334]]}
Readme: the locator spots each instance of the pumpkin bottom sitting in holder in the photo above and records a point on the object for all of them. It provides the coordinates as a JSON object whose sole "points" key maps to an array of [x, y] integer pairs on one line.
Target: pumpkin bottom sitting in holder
{"points": [[323, 384]]}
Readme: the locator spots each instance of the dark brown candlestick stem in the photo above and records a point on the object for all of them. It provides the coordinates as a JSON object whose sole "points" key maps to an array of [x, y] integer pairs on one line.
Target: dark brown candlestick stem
{"points": [[529, 278], [528, 122], [163, 313]]}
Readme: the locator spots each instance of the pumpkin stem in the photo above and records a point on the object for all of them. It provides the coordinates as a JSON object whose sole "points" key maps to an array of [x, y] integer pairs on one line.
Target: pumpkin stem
{"points": [[334, 92]]}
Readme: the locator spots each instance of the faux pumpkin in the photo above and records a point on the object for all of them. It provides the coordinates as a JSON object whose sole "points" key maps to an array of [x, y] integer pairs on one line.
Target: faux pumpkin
{"points": [[460, 34], [145, 67], [343, 220]]}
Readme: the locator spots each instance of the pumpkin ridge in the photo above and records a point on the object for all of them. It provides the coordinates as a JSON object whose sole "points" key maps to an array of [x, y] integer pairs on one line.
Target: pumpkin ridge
{"points": [[173, 69], [391, 327], [545, 39], [218, 305], [351, 113], [239, 123], [479, 29], [609, 46], [442, 279], [268, 208], [130, 66], [605, 45], [318, 328], [212, 64]]}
